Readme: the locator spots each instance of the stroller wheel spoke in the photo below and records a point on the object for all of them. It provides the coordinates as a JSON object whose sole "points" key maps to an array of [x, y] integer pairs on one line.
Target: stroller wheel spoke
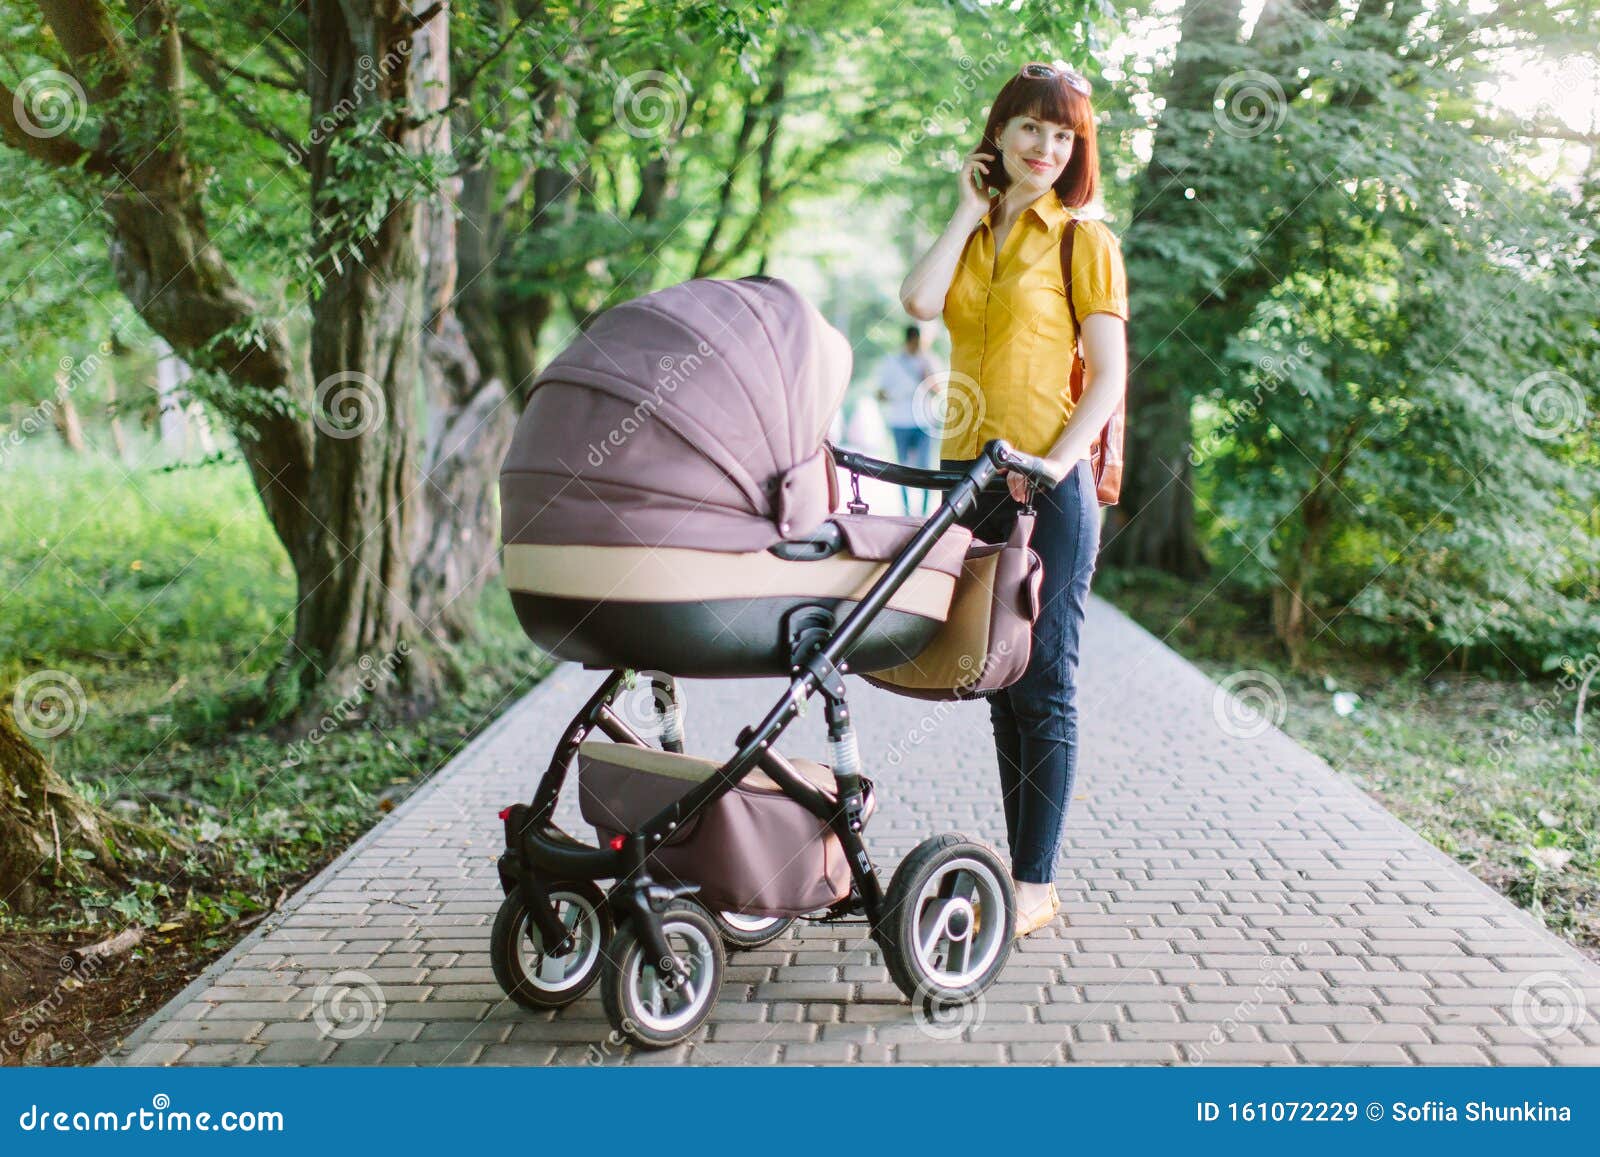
{"points": [[953, 941]]}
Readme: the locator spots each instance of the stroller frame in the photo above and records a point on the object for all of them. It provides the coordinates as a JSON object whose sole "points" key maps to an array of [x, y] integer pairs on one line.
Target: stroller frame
{"points": [[538, 852]]}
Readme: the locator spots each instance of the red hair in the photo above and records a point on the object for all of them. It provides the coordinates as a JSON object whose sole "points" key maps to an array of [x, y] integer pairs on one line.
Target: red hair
{"points": [[1052, 99]]}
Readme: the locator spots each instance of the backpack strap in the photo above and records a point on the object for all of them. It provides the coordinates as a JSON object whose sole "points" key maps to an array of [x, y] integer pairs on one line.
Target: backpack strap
{"points": [[1105, 454], [1066, 274]]}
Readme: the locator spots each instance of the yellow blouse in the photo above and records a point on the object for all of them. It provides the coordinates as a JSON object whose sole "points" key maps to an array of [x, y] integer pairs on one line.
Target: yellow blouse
{"points": [[1011, 335]]}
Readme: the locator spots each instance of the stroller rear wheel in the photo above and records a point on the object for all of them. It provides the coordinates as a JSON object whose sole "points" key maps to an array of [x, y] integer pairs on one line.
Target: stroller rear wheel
{"points": [[638, 1002], [947, 923], [539, 980], [740, 933]]}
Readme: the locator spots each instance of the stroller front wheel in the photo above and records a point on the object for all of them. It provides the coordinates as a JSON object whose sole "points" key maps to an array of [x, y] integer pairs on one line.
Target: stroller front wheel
{"points": [[947, 923], [638, 1002], [536, 979]]}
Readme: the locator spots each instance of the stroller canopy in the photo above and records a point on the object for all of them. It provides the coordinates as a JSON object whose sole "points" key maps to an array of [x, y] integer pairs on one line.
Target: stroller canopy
{"points": [[691, 417]]}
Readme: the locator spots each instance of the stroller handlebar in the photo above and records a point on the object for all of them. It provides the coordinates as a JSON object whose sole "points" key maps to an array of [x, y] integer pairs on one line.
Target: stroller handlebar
{"points": [[1030, 466], [1000, 452], [896, 473]]}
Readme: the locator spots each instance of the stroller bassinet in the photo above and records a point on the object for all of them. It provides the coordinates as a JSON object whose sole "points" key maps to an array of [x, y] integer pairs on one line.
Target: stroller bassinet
{"points": [[667, 501]]}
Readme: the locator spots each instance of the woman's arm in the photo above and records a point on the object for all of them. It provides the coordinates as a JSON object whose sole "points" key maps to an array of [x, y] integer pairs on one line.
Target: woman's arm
{"points": [[924, 289], [1105, 380]]}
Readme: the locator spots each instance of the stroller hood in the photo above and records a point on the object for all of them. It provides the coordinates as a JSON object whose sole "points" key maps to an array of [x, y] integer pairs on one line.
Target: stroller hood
{"points": [[691, 417]]}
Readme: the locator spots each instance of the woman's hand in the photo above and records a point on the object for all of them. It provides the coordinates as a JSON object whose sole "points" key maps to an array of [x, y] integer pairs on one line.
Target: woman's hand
{"points": [[1019, 485], [975, 195]]}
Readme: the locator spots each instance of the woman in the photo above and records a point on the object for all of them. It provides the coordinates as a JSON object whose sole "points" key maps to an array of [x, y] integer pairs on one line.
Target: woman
{"points": [[995, 274]]}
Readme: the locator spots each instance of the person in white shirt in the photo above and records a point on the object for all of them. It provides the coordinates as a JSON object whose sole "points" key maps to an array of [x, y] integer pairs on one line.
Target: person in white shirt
{"points": [[904, 373]]}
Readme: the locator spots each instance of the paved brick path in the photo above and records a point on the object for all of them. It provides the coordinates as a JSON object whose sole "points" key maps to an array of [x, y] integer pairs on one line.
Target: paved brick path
{"points": [[1228, 899]]}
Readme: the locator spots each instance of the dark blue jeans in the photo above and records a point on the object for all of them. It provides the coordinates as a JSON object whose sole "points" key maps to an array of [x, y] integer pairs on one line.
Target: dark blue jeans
{"points": [[1036, 718], [914, 447]]}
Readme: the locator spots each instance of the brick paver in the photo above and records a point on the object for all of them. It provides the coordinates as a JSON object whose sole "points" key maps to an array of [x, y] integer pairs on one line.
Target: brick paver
{"points": [[1227, 899]]}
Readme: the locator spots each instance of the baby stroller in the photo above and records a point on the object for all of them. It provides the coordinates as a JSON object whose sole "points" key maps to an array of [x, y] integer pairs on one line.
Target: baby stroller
{"points": [[669, 509]]}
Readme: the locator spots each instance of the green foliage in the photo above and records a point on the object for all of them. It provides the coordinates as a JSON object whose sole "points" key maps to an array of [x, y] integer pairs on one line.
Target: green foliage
{"points": [[1397, 396], [170, 657], [161, 570]]}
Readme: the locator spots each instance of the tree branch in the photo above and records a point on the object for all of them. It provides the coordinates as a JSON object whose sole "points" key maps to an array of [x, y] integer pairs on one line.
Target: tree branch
{"points": [[463, 90], [199, 53], [89, 38], [413, 22], [205, 66], [1532, 130], [62, 152]]}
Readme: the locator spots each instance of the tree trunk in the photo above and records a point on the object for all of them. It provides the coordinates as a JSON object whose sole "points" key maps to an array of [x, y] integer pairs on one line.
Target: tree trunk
{"points": [[68, 424], [1158, 525], [44, 823], [119, 439], [470, 417], [354, 570], [1289, 597]]}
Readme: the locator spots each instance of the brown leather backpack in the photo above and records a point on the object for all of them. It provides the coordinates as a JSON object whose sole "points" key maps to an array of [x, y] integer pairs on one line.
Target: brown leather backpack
{"points": [[1105, 456]]}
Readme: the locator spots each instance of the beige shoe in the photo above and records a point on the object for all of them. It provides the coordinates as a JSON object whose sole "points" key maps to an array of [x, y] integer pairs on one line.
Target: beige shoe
{"points": [[1037, 917]]}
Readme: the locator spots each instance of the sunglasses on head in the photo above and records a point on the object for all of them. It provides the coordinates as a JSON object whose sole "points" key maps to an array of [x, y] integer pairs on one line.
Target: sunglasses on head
{"points": [[1050, 72]]}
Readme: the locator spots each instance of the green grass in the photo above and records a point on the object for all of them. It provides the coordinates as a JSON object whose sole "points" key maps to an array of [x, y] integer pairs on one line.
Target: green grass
{"points": [[166, 597], [1486, 769]]}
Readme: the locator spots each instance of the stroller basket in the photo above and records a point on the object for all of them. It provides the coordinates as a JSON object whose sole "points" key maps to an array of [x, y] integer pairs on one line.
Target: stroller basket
{"points": [[753, 851]]}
